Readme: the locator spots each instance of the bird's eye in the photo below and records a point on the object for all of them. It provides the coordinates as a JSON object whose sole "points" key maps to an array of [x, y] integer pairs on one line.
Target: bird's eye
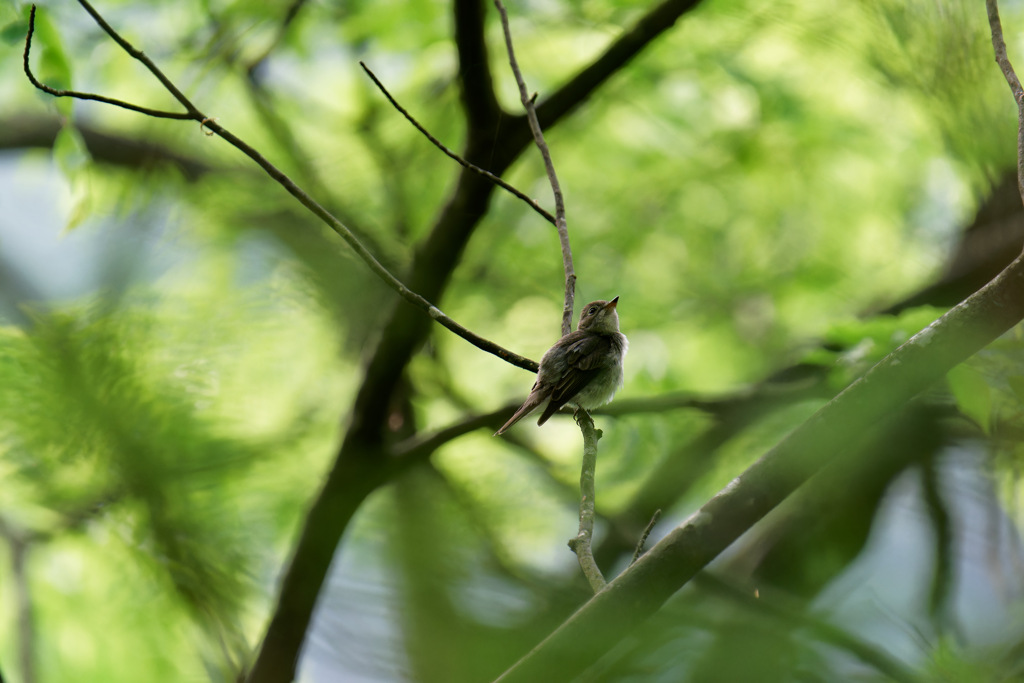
{"points": [[592, 310]]}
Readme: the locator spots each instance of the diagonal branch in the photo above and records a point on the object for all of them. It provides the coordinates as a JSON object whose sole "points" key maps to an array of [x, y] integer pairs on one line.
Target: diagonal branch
{"points": [[532, 203], [494, 140], [642, 588], [282, 179], [844, 421]]}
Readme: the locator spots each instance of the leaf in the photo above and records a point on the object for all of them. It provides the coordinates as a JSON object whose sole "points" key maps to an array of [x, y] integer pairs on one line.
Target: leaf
{"points": [[13, 33], [73, 158], [973, 395], [69, 151]]}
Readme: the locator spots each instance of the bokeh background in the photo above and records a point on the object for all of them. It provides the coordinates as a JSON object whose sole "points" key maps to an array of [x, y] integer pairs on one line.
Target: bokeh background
{"points": [[780, 194]]}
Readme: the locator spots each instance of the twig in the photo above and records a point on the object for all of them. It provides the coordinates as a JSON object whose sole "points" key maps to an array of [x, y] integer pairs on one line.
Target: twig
{"points": [[531, 202], [641, 589], [643, 537], [157, 113], [581, 544], [323, 214], [538, 137], [999, 46]]}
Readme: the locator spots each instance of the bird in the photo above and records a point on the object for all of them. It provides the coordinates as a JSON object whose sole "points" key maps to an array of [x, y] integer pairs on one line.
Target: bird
{"points": [[583, 368]]}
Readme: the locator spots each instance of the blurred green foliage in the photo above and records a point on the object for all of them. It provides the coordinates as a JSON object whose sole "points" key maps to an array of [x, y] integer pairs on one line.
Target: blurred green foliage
{"points": [[752, 186]]}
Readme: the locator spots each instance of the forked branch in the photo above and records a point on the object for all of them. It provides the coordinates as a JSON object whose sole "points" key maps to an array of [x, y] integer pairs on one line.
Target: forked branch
{"points": [[210, 124], [549, 166]]}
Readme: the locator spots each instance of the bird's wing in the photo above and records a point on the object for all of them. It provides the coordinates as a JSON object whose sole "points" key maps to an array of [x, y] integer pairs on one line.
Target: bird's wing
{"points": [[589, 353], [586, 358]]}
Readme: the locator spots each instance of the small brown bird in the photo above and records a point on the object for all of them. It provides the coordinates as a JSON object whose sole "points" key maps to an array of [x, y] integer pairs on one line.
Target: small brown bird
{"points": [[583, 368]]}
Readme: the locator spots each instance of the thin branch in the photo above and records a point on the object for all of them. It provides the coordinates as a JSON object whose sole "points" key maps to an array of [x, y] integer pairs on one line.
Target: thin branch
{"points": [[999, 47], [581, 544], [643, 537], [420, 447], [627, 46], [538, 138], [532, 203], [323, 214], [157, 113], [140, 56], [843, 422]]}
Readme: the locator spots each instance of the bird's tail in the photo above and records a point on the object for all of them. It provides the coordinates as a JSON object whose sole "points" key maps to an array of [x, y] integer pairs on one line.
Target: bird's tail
{"points": [[531, 403]]}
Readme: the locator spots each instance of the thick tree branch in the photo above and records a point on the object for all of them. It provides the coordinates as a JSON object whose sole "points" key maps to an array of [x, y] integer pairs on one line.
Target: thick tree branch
{"points": [[493, 141], [643, 588], [25, 131], [479, 102], [364, 461]]}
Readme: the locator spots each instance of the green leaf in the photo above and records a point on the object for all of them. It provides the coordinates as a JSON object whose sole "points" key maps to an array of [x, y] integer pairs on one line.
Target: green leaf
{"points": [[69, 150], [973, 395], [73, 158], [13, 33]]}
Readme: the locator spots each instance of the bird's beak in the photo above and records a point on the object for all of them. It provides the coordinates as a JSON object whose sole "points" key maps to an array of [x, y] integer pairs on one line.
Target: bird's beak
{"points": [[613, 303]]}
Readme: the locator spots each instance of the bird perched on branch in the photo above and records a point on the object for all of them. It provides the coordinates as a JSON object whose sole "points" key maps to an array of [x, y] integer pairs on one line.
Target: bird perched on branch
{"points": [[583, 368]]}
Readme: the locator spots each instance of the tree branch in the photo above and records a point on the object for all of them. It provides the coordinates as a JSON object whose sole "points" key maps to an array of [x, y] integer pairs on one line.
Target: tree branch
{"points": [[999, 47], [364, 462], [643, 537], [581, 544], [18, 542], [494, 141], [479, 101], [157, 113], [549, 167], [532, 203], [631, 43], [323, 214], [642, 588], [35, 130]]}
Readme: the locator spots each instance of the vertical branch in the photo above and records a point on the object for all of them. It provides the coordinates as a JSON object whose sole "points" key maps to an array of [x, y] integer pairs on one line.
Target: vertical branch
{"points": [[19, 545], [538, 138], [999, 46], [582, 543], [26, 616]]}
